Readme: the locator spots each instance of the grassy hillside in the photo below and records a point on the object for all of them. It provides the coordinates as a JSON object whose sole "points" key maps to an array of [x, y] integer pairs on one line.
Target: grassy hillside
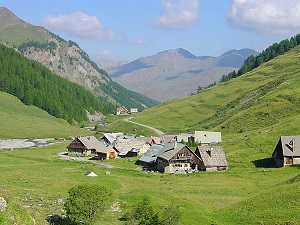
{"points": [[21, 121], [257, 101]]}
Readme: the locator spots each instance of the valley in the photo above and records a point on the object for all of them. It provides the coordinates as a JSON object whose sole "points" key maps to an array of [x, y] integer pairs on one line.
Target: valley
{"points": [[252, 110]]}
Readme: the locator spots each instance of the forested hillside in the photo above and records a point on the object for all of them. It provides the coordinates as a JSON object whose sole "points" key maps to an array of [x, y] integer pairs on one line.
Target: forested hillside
{"points": [[36, 85], [66, 59]]}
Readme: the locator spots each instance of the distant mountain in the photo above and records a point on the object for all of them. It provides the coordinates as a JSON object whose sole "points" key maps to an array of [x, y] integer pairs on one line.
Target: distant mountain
{"points": [[176, 73], [262, 103], [66, 59]]}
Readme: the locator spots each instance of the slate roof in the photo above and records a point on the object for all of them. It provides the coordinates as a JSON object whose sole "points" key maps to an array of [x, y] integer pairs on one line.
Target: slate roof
{"points": [[90, 142], [104, 148], [112, 137], [287, 143], [125, 145], [151, 155], [169, 150], [212, 156]]}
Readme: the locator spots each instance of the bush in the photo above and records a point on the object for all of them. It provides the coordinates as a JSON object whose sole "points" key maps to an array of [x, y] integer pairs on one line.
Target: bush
{"points": [[86, 203]]}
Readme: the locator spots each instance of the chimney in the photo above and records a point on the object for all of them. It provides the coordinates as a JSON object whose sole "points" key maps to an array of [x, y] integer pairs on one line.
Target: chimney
{"points": [[293, 144], [211, 151], [175, 144]]}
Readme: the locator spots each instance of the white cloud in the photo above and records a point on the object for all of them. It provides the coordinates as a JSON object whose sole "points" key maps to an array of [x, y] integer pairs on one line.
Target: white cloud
{"points": [[81, 25], [177, 14], [266, 16], [138, 41]]}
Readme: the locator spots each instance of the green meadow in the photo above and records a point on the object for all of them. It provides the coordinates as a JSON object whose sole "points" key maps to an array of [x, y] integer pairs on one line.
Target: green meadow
{"points": [[22, 121], [35, 182]]}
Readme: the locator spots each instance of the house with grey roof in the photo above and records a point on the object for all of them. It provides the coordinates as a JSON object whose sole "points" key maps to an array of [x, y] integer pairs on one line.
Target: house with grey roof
{"points": [[129, 147], [83, 146], [213, 158], [177, 158], [148, 159], [287, 151]]}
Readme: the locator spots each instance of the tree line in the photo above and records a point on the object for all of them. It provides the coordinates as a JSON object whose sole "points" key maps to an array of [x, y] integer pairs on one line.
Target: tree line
{"points": [[34, 84], [269, 53]]}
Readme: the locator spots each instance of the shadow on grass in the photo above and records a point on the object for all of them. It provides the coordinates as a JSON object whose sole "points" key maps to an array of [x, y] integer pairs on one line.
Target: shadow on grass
{"points": [[265, 163]]}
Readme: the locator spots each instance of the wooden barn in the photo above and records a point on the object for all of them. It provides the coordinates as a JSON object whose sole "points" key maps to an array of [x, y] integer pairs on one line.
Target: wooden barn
{"points": [[287, 151], [177, 158], [213, 158], [83, 146]]}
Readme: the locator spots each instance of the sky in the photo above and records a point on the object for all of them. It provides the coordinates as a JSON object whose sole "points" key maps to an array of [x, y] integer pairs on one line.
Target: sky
{"points": [[125, 30]]}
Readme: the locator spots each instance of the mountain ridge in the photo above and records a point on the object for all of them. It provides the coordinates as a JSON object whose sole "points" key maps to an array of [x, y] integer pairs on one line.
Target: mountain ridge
{"points": [[66, 59], [152, 75]]}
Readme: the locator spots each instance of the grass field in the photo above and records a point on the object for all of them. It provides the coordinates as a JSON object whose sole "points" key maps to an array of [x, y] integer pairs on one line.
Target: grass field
{"points": [[34, 180], [21, 121]]}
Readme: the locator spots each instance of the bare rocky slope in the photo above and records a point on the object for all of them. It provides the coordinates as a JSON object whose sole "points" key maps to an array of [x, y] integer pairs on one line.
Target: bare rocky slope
{"points": [[176, 73], [66, 59]]}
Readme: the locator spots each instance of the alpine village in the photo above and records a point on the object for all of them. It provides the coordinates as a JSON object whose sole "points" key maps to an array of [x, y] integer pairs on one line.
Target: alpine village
{"points": [[76, 147]]}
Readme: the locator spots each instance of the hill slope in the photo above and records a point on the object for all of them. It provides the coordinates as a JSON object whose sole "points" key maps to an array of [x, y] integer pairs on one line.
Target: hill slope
{"points": [[22, 121], [176, 73], [259, 100], [66, 59]]}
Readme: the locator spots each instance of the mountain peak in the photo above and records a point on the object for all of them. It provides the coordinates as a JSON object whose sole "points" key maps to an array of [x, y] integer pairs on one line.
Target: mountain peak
{"points": [[8, 18], [178, 51]]}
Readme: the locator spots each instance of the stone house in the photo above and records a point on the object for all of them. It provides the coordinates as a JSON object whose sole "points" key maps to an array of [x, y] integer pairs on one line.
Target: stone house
{"points": [[213, 158], [177, 158], [287, 151]]}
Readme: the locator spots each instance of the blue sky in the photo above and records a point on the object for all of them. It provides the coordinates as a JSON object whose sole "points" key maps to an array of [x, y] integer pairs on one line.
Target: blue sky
{"points": [[129, 29]]}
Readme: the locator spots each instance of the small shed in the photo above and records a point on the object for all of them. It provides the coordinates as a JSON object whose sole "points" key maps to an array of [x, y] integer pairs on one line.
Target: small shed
{"points": [[287, 151], [213, 158], [83, 146]]}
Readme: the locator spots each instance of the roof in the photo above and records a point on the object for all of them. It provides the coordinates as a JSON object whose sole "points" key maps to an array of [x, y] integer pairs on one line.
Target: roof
{"points": [[290, 145], [90, 142], [112, 137], [91, 174], [104, 148], [127, 145], [151, 155], [207, 137], [212, 156], [169, 150]]}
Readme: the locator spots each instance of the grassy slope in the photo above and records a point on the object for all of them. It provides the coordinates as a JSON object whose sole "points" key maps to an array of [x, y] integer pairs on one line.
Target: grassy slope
{"points": [[21, 121], [253, 101]]}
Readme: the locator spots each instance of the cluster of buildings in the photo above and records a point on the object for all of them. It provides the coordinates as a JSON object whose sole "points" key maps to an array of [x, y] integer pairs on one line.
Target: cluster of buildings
{"points": [[166, 153], [122, 110]]}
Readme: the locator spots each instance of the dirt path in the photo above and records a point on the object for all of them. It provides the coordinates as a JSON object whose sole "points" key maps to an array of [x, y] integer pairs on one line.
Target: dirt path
{"points": [[64, 156], [159, 132]]}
